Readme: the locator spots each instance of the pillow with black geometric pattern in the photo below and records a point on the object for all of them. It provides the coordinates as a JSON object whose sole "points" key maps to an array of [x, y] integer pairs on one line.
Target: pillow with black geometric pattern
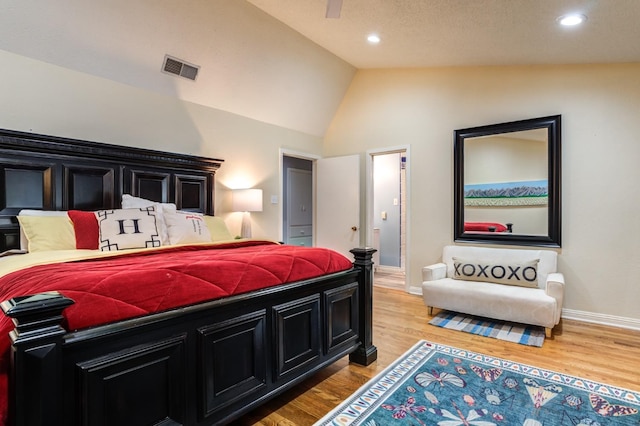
{"points": [[128, 229], [131, 202], [523, 274]]}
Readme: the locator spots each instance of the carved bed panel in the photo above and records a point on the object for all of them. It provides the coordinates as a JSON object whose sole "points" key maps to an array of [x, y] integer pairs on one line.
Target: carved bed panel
{"points": [[50, 173]]}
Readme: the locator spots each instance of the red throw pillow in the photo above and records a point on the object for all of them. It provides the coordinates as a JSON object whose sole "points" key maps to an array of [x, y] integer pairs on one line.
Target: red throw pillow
{"points": [[85, 225]]}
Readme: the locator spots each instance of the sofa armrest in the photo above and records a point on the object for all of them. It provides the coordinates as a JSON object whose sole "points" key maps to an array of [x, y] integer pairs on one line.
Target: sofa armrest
{"points": [[555, 285], [555, 289], [433, 272]]}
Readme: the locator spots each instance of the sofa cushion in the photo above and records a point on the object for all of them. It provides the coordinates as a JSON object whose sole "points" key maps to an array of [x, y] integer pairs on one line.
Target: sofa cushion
{"points": [[505, 302], [523, 274]]}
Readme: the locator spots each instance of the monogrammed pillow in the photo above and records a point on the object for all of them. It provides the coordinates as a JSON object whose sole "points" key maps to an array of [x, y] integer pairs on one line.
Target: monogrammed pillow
{"points": [[128, 229], [131, 202], [524, 274], [186, 227]]}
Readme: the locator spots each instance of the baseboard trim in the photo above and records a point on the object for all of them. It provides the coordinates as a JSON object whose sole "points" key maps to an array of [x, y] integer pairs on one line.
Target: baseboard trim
{"points": [[415, 290], [602, 319], [389, 269]]}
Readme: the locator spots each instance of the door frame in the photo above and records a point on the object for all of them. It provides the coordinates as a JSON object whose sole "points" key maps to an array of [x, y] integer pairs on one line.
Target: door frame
{"points": [[406, 149], [368, 219], [284, 152]]}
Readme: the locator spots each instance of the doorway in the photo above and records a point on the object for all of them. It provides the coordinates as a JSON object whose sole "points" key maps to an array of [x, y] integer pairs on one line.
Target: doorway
{"points": [[336, 196], [297, 201], [388, 216]]}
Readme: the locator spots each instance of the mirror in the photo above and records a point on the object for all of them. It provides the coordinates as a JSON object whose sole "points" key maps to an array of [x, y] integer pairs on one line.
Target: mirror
{"points": [[507, 183]]}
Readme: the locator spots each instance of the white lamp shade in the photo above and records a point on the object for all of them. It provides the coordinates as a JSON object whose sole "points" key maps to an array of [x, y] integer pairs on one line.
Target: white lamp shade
{"points": [[247, 200]]}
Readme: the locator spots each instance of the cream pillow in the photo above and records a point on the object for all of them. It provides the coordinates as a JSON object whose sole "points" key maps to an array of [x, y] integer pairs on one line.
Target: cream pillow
{"points": [[128, 229], [45, 233], [217, 228], [24, 243], [186, 227]]}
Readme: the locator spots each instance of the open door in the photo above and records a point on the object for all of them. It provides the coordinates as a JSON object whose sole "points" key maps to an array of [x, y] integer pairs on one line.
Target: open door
{"points": [[338, 203]]}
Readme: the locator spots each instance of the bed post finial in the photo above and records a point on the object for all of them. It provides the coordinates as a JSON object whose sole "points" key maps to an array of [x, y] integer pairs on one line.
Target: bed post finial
{"points": [[366, 352], [36, 356]]}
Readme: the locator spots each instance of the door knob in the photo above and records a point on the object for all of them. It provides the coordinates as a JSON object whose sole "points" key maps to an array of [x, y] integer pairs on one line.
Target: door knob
{"points": [[354, 228]]}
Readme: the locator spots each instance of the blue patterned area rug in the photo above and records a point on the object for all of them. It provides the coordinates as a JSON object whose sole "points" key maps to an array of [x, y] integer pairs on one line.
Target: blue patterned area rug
{"points": [[512, 332], [434, 384]]}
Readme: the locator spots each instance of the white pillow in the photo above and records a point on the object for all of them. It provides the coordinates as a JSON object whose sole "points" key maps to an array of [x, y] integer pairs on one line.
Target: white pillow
{"points": [[131, 202], [186, 227], [24, 241], [128, 229]]}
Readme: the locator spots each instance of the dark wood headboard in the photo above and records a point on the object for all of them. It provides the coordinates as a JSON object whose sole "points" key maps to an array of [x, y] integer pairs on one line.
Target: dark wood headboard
{"points": [[51, 173]]}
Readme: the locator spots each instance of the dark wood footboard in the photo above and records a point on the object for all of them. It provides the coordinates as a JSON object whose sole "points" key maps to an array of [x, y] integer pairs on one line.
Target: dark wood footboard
{"points": [[199, 365]]}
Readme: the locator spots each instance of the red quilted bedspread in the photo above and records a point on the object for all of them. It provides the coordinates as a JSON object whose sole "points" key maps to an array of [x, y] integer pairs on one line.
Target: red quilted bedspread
{"points": [[116, 288], [484, 226]]}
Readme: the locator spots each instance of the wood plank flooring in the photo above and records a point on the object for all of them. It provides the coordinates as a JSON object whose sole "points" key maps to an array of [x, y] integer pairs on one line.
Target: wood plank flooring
{"points": [[390, 278], [604, 354]]}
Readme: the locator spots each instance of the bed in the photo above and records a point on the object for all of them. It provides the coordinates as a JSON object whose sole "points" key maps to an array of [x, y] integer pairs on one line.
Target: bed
{"points": [[488, 227], [205, 359]]}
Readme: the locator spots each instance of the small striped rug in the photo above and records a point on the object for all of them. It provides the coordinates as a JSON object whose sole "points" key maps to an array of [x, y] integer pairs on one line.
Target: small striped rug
{"points": [[530, 335]]}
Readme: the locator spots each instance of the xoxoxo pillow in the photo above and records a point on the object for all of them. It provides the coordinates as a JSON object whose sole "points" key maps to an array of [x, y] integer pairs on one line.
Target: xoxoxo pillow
{"points": [[524, 274]]}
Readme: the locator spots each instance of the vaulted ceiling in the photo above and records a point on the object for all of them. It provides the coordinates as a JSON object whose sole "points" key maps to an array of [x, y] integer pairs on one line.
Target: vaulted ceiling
{"points": [[283, 62], [427, 33]]}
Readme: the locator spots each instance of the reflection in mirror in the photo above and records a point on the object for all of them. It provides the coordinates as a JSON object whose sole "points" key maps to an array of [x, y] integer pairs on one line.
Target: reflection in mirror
{"points": [[507, 182]]}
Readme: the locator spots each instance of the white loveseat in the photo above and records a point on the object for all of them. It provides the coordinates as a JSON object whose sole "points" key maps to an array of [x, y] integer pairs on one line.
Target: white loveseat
{"points": [[468, 281]]}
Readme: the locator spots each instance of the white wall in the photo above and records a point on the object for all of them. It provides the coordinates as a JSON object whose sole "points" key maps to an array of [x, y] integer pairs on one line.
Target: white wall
{"points": [[92, 70], [42, 98], [600, 253], [251, 64]]}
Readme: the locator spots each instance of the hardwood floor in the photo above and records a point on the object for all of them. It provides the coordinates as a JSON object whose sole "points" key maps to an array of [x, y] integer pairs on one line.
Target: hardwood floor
{"points": [[390, 278], [599, 353]]}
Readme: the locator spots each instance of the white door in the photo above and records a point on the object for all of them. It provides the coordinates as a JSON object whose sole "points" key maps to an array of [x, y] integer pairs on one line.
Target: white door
{"points": [[338, 203]]}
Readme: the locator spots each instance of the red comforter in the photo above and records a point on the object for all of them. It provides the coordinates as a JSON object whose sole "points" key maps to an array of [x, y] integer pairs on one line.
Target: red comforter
{"points": [[111, 289], [484, 226]]}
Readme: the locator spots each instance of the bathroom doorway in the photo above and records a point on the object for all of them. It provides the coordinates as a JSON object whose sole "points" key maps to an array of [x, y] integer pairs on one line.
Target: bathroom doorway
{"points": [[388, 216]]}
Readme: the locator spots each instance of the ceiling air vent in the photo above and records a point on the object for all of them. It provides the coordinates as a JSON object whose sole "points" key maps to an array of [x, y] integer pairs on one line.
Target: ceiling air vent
{"points": [[178, 67]]}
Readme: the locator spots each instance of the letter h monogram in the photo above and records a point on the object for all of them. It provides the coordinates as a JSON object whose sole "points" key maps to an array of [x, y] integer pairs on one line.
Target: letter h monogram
{"points": [[136, 229]]}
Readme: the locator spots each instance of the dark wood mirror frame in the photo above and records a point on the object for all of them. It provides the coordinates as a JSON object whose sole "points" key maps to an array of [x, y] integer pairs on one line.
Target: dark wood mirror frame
{"points": [[552, 239]]}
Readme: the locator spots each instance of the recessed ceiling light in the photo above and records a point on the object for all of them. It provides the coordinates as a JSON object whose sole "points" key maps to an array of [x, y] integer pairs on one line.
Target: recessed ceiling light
{"points": [[373, 38], [572, 19]]}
